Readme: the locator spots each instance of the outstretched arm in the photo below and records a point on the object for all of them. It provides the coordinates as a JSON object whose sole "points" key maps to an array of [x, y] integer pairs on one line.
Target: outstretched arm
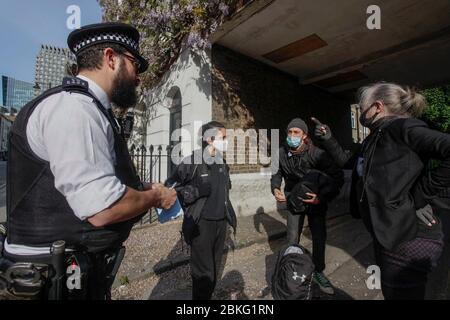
{"points": [[330, 144]]}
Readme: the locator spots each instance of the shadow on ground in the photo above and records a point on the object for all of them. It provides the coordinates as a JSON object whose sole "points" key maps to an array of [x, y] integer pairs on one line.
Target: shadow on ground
{"points": [[181, 284], [268, 222]]}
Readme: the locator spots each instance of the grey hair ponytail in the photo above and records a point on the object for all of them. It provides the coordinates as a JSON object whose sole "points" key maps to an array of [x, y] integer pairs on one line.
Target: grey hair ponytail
{"points": [[399, 100]]}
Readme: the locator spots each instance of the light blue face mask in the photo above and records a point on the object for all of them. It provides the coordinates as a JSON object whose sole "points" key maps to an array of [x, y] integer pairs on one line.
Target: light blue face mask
{"points": [[294, 142]]}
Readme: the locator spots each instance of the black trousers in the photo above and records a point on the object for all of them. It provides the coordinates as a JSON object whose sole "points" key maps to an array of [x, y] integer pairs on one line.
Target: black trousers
{"points": [[206, 255], [405, 269], [317, 225]]}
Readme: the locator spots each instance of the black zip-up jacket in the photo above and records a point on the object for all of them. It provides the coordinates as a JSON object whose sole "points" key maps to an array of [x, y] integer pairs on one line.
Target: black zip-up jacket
{"points": [[293, 167], [193, 187], [395, 180]]}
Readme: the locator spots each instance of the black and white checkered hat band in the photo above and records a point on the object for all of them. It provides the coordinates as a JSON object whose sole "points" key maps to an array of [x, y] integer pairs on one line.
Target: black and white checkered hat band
{"points": [[116, 37]]}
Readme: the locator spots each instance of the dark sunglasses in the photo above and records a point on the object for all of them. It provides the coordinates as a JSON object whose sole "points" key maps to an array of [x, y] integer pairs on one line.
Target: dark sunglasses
{"points": [[132, 59]]}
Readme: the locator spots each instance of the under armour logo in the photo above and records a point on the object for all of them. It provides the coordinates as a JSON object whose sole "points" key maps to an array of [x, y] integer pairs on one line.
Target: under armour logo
{"points": [[109, 259], [296, 276]]}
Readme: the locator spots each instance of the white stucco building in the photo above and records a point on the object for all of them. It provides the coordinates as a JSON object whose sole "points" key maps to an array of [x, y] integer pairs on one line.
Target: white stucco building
{"points": [[279, 59]]}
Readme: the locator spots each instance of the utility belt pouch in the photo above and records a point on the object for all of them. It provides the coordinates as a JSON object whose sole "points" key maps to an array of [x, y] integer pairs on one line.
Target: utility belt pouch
{"points": [[23, 281]]}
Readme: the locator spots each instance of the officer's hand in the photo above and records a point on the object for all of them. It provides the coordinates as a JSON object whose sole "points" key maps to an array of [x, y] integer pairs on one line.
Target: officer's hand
{"points": [[147, 186], [313, 198], [322, 131], [150, 186], [167, 197], [156, 186], [425, 215], [279, 196]]}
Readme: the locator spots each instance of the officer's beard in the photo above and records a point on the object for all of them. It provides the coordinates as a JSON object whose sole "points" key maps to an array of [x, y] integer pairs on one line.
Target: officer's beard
{"points": [[124, 94]]}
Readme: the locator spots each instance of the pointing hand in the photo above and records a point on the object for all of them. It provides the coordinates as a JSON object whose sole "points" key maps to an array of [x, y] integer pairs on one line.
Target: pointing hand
{"points": [[322, 131]]}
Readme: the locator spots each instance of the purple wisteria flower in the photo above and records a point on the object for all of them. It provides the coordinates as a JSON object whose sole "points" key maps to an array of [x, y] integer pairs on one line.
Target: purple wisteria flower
{"points": [[165, 24], [224, 9]]}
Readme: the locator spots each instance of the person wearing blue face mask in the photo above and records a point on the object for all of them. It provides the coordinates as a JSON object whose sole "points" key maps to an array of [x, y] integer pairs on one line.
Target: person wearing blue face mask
{"points": [[297, 159]]}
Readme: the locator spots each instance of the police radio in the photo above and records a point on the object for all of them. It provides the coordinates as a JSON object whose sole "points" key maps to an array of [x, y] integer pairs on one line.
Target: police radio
{"points": [[127, 125]]}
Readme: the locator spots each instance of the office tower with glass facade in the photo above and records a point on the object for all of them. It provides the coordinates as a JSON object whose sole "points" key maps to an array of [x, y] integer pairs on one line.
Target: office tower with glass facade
{"points": [[16, 93], [52, 64]]}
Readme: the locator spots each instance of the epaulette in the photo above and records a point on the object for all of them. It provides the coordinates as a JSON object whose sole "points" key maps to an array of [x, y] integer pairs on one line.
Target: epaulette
{"points": [[75, 83]]}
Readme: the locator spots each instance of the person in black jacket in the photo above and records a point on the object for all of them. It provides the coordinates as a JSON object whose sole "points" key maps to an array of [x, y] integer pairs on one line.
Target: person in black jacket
{"points": [[302, 166], [203, 183], [391, 188]]}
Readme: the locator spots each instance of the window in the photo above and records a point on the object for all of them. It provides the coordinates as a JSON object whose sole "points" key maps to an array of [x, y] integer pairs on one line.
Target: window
{"points": [[353, 120]]}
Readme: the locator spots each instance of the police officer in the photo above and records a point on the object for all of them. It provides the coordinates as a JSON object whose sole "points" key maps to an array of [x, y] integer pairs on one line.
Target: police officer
{"points": [[70, 176]]}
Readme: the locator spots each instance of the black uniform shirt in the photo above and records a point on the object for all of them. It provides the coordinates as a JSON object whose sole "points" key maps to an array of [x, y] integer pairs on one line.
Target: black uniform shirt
{"points": [[214, 208]]}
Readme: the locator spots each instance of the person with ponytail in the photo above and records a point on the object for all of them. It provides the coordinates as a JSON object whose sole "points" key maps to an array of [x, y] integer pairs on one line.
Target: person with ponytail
{"points": [[391, 187]]}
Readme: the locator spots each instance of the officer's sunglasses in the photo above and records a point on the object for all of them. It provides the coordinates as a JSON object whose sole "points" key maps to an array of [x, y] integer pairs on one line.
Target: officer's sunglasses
{"points": [[132, 59]]}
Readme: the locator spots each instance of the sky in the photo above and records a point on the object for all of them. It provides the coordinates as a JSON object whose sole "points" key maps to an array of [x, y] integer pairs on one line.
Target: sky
{"points": [[26, 24]]}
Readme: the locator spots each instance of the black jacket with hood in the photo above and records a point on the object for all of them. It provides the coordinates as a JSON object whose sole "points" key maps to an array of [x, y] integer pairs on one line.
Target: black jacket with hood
{"points": [[293, 167]]}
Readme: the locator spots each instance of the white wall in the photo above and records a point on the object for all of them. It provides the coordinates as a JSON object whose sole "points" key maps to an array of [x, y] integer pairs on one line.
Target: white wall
{"points": [[191, 74], [251, 194]]}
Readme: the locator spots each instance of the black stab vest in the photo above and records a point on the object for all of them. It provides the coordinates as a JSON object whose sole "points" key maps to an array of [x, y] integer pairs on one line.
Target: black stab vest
{"points": [[37, 213]]}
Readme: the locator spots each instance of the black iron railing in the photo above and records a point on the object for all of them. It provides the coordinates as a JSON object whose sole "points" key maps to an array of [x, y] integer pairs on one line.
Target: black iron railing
{"points": [[149, 163]]}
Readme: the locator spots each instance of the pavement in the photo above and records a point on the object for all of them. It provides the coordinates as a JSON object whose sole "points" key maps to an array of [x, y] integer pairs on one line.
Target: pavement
{"points": [[156, 265], [150, 272]]}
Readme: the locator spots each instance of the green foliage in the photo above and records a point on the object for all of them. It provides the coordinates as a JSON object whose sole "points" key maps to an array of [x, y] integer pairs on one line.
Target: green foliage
{"points": [[124, 280], [166, 26], [437, 115]]}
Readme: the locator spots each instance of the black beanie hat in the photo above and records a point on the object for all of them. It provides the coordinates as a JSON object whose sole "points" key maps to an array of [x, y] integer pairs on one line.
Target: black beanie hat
{"points": [[298, 123]]}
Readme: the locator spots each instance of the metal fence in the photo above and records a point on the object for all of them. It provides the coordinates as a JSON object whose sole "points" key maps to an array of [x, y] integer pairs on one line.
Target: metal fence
{"points": [[151, 167], [148, 162]]}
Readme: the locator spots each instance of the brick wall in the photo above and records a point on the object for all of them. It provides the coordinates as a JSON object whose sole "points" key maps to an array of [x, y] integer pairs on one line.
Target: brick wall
{"points": [[249, 94]]}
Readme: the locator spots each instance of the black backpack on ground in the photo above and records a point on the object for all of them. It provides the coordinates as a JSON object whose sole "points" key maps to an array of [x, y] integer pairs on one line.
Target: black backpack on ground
{"points": [[292, 278]]}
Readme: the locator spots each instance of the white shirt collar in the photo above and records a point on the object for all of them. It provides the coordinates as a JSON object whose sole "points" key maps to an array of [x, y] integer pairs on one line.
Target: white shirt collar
{"points": [[97, 91]]}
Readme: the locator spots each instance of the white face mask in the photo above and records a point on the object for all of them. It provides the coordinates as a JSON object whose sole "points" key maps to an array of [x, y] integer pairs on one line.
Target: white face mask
{"points": [[220, 145]]}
